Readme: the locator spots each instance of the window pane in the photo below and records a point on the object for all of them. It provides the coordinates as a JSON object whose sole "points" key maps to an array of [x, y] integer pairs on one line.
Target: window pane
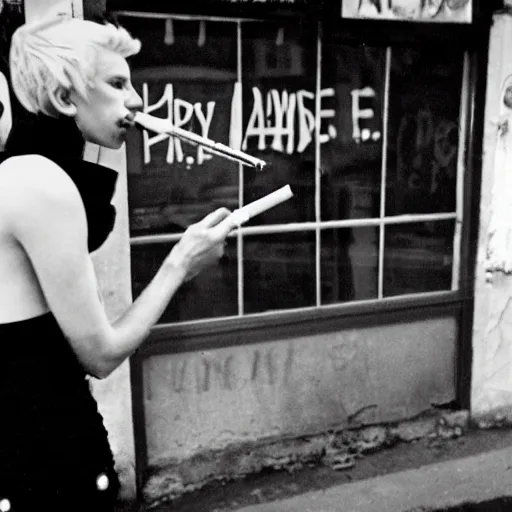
{"points": [[353, 79], [213, 293], [279, 271], [349, 264], [279, 79], [186, 72], [423, 130], [418, 257]]}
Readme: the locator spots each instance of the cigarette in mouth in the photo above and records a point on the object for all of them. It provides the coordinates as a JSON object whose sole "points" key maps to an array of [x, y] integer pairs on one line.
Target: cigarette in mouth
{"points": [[159, 125], [242, 215]]}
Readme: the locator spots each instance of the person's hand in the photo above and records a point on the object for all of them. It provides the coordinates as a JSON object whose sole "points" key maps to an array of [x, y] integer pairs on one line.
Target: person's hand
{"points": [[202, 244]]}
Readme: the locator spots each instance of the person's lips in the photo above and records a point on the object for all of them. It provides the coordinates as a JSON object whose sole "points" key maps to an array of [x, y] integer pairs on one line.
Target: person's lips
{"points": [[126, 123]]}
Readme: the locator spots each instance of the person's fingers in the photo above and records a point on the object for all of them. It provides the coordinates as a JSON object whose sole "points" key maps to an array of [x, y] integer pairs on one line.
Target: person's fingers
{"points": [[212, 219], [223, 228]]}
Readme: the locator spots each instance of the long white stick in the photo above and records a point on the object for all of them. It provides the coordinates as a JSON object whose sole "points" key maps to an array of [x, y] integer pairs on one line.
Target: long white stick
{"points": [[159, 125], [242, 215]]}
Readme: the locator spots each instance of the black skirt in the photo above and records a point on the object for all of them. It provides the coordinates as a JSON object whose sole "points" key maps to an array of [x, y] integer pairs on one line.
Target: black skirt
{"points": [[54, 450]]}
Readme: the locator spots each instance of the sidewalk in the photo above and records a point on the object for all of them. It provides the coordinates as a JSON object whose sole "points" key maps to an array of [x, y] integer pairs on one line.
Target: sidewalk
{"points": [[419, 476], [434, 487]]}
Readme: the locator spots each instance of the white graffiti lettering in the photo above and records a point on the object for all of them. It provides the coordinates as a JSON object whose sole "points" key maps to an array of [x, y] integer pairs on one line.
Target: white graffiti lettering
{"points": [[179, 112], [365, 113], [274, 119]]}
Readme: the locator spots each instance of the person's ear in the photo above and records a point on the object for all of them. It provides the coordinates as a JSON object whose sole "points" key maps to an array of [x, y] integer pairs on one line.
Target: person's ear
{"points": [[61, 101]]}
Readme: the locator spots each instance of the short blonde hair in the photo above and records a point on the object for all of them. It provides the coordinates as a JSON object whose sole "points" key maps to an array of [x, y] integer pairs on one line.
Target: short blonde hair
{"points": [[61, 51]]}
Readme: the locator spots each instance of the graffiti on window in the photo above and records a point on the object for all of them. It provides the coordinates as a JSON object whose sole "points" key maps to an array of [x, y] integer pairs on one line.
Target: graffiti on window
{"points": [[281, 121], [432, 146]]}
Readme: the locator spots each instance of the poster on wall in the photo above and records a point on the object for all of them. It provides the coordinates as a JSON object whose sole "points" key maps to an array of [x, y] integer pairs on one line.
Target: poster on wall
{"points": [[436, 11]]}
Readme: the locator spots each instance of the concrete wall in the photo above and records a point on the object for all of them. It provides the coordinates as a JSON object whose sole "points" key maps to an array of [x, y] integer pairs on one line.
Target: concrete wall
{"points": [[200, 403], [112, 265], [491, 392]]}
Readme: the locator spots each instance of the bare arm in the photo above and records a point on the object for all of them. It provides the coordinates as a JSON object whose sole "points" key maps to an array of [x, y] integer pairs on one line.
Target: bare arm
{"points": [[48, 219], [201, 245]]}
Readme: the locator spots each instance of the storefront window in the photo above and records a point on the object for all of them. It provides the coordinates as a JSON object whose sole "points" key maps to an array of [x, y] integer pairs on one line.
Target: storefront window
{"points": [[367, 138]]}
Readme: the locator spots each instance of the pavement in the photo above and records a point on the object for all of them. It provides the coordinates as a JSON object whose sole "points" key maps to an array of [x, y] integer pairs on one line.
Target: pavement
{"points": [[440, 486], [468, 473]]}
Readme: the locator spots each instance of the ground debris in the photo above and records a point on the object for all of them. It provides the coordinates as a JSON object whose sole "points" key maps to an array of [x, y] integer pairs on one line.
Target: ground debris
{"points": [[340, 461]]}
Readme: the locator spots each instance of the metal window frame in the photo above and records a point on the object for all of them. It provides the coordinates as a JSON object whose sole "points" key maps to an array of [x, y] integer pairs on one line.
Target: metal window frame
{"points": [[317, 226]]}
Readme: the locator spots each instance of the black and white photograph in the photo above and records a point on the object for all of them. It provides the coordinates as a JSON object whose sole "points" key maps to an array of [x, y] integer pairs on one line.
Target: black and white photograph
{"points": [[256, 255]]}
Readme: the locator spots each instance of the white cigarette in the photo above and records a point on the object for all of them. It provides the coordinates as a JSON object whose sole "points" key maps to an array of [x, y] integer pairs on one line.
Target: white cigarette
{"points": [[242, 215], [159, 125]]}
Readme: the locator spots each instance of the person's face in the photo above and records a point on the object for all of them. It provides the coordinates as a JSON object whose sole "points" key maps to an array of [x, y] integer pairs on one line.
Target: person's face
{"points": [[107, 113]]}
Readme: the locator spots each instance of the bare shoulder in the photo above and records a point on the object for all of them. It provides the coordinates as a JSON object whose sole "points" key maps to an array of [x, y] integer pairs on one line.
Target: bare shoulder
{"points": [[34, 172], [34, 183]]}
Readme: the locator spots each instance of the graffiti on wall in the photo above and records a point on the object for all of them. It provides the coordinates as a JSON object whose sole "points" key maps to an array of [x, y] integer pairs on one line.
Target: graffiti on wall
{"points": [[272, 367], [211, 372], [443, 11], [282, 121]]}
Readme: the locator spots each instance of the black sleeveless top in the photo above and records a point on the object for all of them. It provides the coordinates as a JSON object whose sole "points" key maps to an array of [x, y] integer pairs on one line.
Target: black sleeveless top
{"points": [[60, 141], [53, 442]]}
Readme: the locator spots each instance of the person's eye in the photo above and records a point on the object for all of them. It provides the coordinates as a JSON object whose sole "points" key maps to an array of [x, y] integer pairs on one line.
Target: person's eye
{"points": [[117, 84]]}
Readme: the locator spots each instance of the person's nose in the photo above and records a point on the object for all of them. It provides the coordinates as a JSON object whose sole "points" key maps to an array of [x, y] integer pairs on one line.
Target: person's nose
{"points": [[133, 100]]}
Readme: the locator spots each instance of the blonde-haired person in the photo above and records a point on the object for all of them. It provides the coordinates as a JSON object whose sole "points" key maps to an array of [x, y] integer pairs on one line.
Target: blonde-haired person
{"points": [[73, 79]]}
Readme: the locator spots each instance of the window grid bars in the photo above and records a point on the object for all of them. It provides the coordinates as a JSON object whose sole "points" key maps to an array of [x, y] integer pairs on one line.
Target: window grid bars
{"points": [[318, 225], [183, 17], [433, 296], [318, 240], [383, 174], [240, 242], [307, 226]]}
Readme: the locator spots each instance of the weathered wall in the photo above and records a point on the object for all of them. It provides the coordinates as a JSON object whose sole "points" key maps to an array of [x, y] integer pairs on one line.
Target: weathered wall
{"points": [[203, 402], [492, 337], [112, 265]]}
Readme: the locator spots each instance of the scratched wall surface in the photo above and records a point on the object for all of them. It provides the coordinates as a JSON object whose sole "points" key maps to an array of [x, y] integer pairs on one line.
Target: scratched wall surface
{"points": [[492, 333], [209, 400]]}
